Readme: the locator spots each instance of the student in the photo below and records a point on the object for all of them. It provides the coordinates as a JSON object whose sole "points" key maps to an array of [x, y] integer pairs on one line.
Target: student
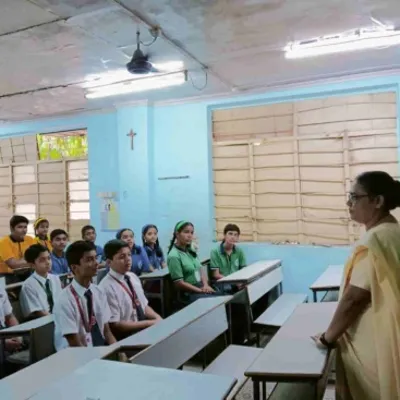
{"points": [[41, 290], [184, 266], [89, 233], [41, 227], [7, 319], [152, 247], [81, 313], [227, 258], [130, 311], [59, 240], [140, 261], [12, 248]]}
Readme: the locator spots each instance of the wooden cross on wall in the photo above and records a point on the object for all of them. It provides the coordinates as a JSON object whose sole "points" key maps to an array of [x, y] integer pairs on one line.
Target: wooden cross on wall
{"points": [[132, 135]]}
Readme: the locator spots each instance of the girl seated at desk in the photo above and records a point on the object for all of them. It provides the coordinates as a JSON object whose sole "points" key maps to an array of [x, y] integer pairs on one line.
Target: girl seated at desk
{"points": [[184, 266], [152, 247], [140, 261]]}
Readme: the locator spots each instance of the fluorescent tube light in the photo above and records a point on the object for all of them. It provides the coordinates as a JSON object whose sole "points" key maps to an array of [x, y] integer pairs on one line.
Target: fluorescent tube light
{"points": [[137, 85], [361, 39]]}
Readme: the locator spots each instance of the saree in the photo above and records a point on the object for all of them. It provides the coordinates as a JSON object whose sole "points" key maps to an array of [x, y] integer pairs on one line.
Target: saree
{"points": [[368, 354]]}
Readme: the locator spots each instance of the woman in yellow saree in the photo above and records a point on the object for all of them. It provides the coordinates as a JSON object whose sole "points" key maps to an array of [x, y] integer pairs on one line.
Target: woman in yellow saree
{"points": [[366, 326]]}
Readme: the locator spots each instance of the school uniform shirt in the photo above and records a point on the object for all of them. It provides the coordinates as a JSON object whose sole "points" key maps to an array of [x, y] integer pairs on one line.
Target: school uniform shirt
{"points": [[184, 266], [140, 261], [10, 248], [99, 254], [44, 242], [67, 317], [59, 264], [118, 299], [5, 307], [227, 263], [156, 260], [34, 295]]}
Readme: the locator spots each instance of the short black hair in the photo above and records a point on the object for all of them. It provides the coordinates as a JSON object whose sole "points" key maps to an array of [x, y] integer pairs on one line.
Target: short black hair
{"points": [[33, 252], [231, 228], [112, 247], [380, 183], [18, 219], [87, 228], [76, 250], [57, 232]]}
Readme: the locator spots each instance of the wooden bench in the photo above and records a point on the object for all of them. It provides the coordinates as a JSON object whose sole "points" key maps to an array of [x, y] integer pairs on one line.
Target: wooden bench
{"points": [[40, 332], [277, 313], [291, 358], [177, 349]]}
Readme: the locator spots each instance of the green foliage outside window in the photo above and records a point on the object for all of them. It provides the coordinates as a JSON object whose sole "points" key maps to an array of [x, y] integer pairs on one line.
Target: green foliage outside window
{"points": [[57, 147]]}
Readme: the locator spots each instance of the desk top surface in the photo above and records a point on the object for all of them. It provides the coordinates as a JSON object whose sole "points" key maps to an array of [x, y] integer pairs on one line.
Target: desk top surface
{"points": [[174, 323], [292, 353], [108, 380], [28, 326], [331, 278], [28, 381], [157, 274], [251, 272]]}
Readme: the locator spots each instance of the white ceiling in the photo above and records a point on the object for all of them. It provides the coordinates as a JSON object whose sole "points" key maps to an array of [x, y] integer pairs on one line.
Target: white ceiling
{"points": [[49, 47]]}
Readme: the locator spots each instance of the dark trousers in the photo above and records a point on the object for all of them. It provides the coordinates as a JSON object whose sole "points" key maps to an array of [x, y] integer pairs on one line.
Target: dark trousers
{"points": [[191, 297]]}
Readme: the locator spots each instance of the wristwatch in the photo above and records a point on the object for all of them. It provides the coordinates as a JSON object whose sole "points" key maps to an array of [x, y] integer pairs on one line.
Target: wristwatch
{"points": [[326, 343]]}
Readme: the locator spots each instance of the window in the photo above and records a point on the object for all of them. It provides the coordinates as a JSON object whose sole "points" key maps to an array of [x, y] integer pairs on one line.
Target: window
{"points": [[57, 146], [282, 171], [28, 211]]}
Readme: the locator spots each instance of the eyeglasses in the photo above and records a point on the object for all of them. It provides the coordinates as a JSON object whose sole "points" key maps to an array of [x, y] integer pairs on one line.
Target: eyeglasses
{"points": [[353, 197]]}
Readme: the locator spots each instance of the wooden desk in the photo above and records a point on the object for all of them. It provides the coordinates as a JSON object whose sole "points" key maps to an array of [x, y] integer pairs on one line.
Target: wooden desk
{"points": [[107, 380], [28, 381], [162, 276], [329, 280], [251, 272], [27, 327], [13, 286], [173, 323], [292, 355]]}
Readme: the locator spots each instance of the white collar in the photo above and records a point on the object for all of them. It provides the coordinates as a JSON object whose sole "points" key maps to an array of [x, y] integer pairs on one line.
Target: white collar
{"points": [[116, 275], [41, 279], [80, 290]]}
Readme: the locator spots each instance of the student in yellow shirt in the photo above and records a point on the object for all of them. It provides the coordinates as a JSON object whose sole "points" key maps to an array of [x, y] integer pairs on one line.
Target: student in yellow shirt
{"points": [[41, 227], [12, 248]]}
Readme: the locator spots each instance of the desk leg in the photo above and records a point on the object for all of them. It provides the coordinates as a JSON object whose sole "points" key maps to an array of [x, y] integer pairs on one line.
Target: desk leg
{"points": [[315, 296], [264, 390], [162, 298], [256, 390]]}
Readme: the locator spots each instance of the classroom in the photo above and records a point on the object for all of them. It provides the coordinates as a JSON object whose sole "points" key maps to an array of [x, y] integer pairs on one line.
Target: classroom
{"points": [[198, 200]]}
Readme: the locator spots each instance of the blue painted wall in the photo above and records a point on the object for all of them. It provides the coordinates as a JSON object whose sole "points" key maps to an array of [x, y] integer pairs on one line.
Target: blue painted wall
{"points": [[175, 140]]}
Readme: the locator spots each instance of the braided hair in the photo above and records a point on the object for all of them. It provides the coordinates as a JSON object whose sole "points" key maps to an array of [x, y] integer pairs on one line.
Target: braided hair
{"points": [[179, 227]]}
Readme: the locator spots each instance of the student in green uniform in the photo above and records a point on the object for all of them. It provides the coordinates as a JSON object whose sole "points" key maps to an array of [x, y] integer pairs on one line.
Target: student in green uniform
{"points": [[227, 258], [184, 266]]}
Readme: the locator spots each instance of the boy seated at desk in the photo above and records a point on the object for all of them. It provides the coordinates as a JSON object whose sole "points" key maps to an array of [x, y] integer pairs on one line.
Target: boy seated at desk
{"points": [[59, 240], [129, 307], [12, 249], [81, 313], [7, 319], [89, 233], [41, 290], [227, 258]]}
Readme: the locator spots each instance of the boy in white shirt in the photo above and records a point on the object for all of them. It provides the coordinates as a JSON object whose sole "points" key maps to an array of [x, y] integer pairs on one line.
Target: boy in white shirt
{"points": [[81, 313], [129, 307], [8, 319], [41, 290]]}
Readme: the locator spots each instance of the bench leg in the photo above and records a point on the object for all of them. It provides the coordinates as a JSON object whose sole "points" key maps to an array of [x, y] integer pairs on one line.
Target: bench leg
{"points": [[264, 390], [314, 296], [258, 339], [256, 390]]}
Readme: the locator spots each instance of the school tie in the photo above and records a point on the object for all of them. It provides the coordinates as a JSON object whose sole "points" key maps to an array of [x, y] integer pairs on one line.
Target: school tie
{"points": [[97, 337], [49, 294], [138, 307]]}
